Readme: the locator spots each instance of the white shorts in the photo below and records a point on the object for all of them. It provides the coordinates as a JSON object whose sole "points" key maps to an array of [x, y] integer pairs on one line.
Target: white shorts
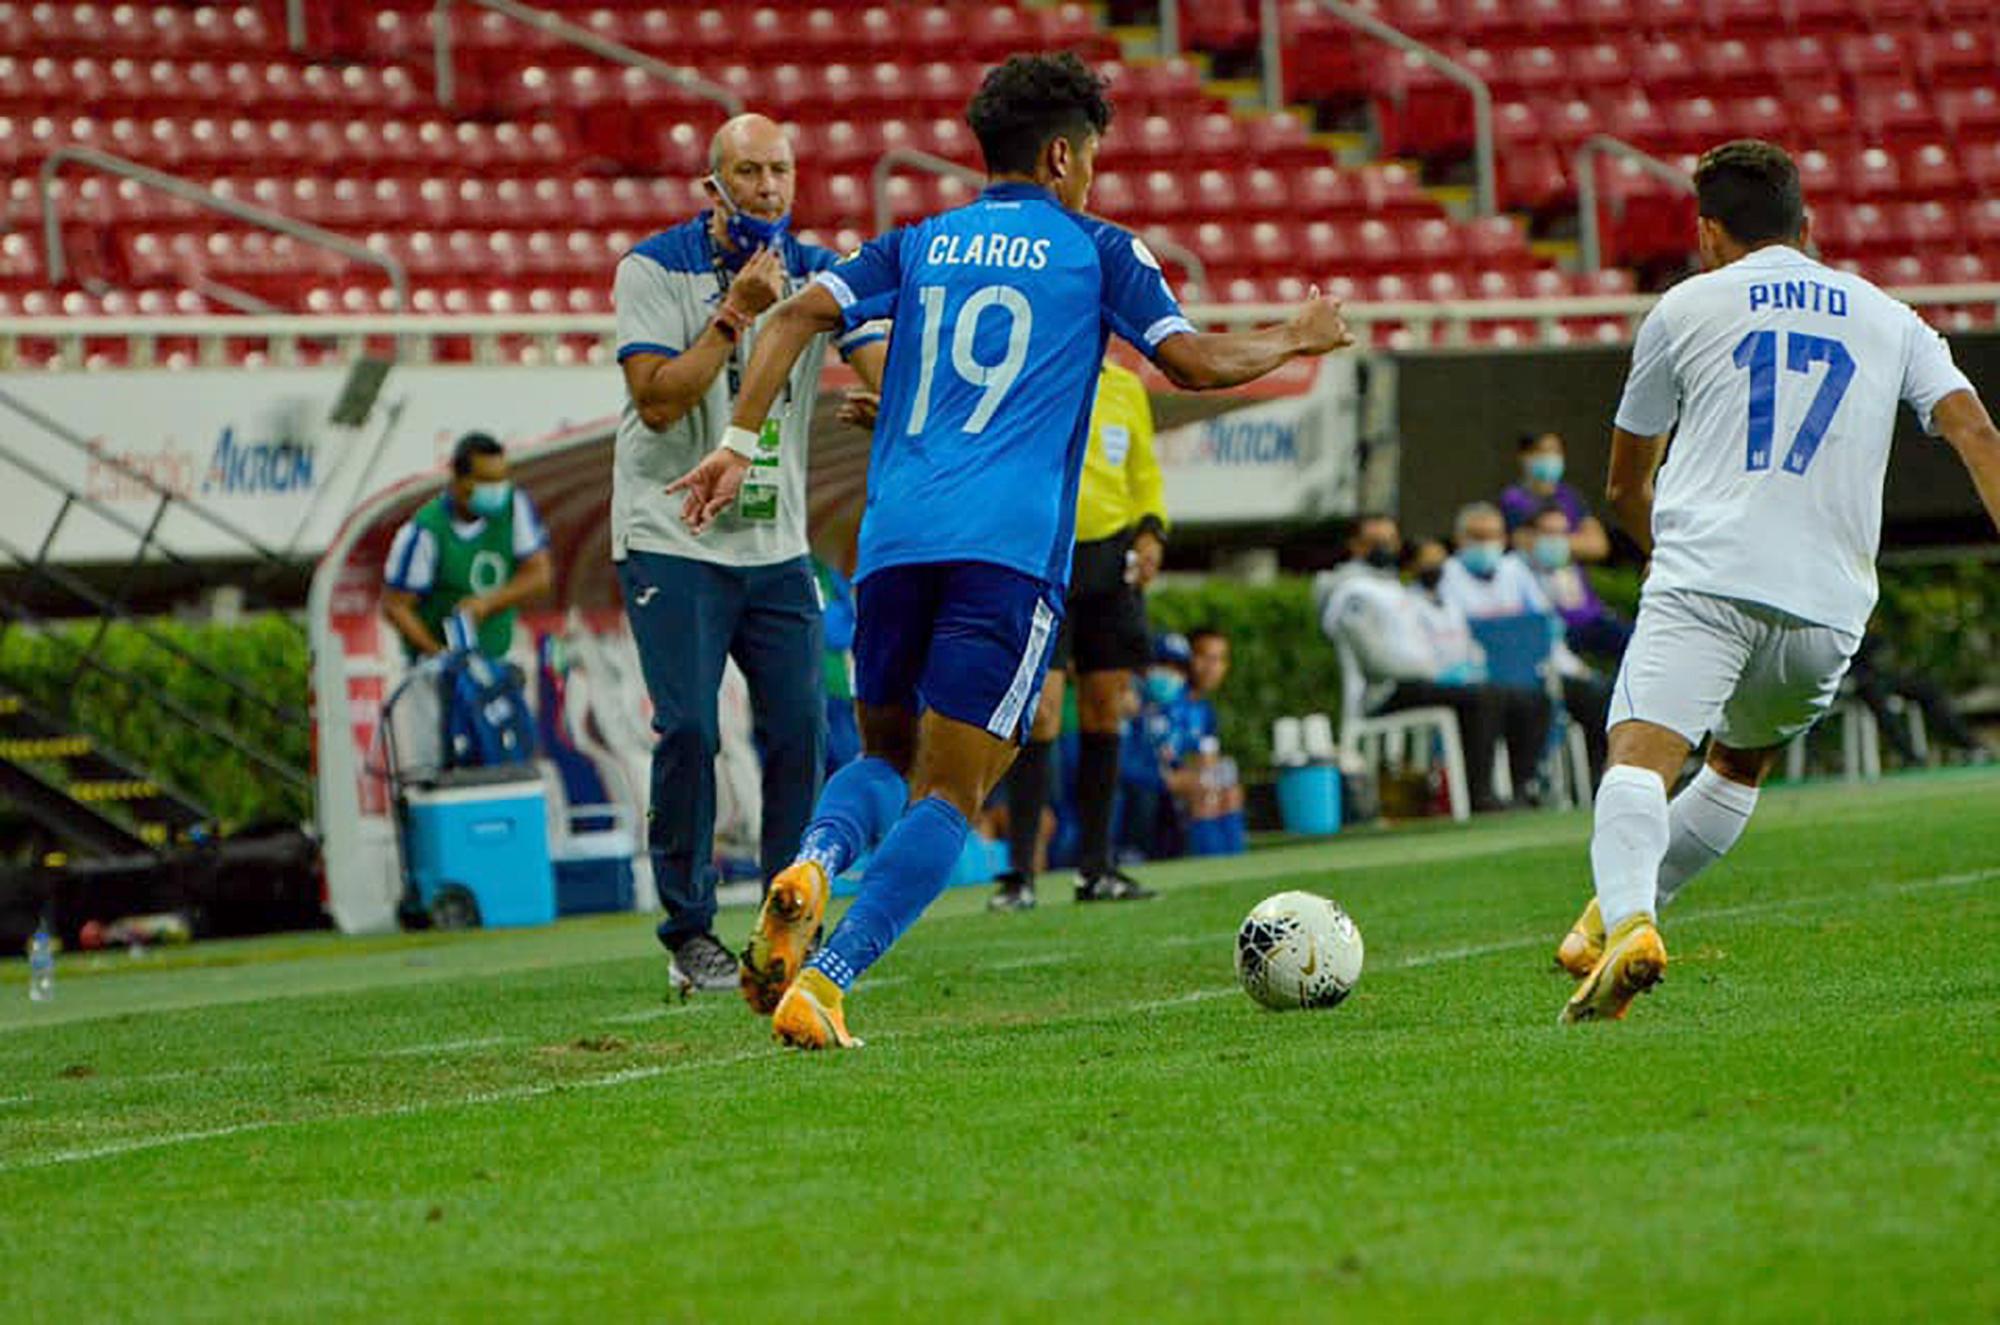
{"points": [[1752, 675]]}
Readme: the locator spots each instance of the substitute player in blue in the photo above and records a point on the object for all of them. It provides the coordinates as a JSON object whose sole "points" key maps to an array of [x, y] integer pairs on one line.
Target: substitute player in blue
{"points": [[1002, 309]]}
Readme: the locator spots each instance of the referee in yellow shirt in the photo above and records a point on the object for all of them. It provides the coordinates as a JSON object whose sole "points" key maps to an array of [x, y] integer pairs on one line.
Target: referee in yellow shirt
{"points": [[1121, 536]]}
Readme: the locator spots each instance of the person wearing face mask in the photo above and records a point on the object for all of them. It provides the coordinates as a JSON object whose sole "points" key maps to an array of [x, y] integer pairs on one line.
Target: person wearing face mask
{"points": [[470, 557], [1416, 651], [456, 574], [1542, 460], [1589, 626], [691, 301], [1484, 580]]}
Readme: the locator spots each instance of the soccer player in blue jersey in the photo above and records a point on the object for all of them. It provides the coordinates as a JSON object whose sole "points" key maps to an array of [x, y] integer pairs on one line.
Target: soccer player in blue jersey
{"points": [[1001, 311]]}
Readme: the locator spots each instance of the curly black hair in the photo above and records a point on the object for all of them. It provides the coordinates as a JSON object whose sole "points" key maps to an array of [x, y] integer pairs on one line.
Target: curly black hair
{"points": [[1031, 99]]}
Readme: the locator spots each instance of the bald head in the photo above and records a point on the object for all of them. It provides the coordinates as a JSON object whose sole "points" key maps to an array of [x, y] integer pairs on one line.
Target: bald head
{"points": [[752, 158]]}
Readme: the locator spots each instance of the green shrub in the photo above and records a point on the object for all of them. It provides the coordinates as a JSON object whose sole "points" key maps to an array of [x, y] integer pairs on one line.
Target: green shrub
{"points": [[267, 654], [1281, 664]]}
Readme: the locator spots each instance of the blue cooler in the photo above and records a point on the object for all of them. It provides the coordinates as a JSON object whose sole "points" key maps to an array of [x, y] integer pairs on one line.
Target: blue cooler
{"points": [[1309, 799], [594, 872], [482, 834]]}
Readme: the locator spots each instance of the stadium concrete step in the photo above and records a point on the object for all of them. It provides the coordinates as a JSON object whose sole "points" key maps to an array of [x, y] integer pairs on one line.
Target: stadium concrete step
{"points": [[82, 796]]}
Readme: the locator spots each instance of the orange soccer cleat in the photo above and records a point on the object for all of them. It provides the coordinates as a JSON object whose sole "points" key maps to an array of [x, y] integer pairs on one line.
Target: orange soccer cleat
{"points": [[1584, 943], [810, 1015], [1635, 959], [788, 927]]}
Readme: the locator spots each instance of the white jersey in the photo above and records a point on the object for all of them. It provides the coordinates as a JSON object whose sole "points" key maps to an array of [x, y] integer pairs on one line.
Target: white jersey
{"points": [[1784, 377]]}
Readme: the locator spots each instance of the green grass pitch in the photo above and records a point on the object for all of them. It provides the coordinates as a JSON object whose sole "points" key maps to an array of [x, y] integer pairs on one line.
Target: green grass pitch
{"points": [[1070, 1114]]}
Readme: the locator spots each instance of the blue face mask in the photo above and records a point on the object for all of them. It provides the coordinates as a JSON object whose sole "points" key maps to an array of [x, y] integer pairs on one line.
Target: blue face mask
{"points": [[1482, 559], [1164, 687], [490, 498], [1551, 551], [1546, 469], [748, 233]]}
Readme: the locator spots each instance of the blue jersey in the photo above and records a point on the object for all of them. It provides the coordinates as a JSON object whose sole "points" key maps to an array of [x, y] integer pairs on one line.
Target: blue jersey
{"points": [[1001, 312]]}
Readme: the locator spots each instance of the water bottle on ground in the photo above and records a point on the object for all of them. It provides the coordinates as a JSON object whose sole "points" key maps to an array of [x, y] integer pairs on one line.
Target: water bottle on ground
{"points": [[42, 965]]}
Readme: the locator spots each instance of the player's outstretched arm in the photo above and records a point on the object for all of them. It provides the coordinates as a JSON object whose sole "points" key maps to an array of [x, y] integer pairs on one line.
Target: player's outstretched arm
{"points": [[1629, 487], [1209, 361], [1961, 419], [713, 484]]}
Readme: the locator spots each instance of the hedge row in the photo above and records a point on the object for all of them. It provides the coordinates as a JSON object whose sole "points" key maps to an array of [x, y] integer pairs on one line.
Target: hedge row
{"points": [[266, 654], [1944, 620]]}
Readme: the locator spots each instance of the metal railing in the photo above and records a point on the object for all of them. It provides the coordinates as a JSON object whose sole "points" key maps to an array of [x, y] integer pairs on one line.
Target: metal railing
{"points": [[565, 31], [40, 570], [910, 158], [188, 191], [1591, 240], [1442, 323], [1272, 46]]}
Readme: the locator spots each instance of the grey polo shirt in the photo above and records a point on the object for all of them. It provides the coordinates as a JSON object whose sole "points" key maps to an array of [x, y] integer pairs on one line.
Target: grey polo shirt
{"points": [[667, 290]]}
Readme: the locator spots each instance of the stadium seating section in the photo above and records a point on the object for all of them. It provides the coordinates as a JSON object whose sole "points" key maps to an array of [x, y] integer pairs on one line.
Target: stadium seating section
{"points": [[520, 197], [1892, 105]]}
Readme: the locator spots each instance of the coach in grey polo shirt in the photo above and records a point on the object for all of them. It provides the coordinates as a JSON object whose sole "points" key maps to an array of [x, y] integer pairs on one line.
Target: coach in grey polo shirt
{"points": [[688, 301]]}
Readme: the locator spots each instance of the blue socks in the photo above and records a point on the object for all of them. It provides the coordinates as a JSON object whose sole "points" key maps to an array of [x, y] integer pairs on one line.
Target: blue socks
{"points": [[906, 874], [857, 807]]}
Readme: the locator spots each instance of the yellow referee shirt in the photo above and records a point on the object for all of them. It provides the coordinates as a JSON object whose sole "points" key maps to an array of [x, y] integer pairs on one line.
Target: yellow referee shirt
{"points": [[1121, 475]]}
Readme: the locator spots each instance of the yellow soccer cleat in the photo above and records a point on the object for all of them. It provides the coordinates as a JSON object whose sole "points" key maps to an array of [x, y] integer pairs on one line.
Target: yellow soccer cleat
{"points": [[1634, 960], [1584, 943], [810, 1017], [787, 930]]}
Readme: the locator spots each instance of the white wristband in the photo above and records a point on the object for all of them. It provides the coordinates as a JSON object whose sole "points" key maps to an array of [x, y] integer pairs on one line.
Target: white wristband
{"points": [[740, 440]]}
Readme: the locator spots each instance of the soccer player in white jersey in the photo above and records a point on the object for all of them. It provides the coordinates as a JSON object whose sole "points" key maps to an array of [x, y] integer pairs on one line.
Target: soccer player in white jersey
{"points": [[1783, 376]]}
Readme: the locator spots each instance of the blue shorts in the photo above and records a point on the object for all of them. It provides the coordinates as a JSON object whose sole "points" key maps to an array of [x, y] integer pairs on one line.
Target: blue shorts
{"points": [[962, 638]]}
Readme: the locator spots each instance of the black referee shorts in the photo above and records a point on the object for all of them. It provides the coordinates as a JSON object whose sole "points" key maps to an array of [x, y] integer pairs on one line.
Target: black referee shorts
{"points": [[1104, 619]]}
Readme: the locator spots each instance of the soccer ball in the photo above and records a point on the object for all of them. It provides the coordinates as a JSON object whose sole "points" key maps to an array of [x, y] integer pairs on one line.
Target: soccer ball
{"points": [[1298, 950]]}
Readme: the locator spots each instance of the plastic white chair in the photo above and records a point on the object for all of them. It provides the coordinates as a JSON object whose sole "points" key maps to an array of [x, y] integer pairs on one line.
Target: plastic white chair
{"points": [[1378, 739]]}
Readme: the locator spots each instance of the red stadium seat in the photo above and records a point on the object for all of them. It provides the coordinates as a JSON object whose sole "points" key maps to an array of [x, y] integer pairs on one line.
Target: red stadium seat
{"points": [[1517, 124], [1533, 177], [1971, 114], [1800, 62], [1930, 170], [1958, 269], [1982, 227], [1961, 57], [1602, 65], [1537, 69], [1763, 117], [1981, 165], [1902, 270], [1876, 55], [1611, 18], [1929, 225], [1668, 66], [1896, 114], [1432, 244], [1634, 117], [1874, 173], [1497, 243], [1732, 66], [1824, 119], [1261, 190]]}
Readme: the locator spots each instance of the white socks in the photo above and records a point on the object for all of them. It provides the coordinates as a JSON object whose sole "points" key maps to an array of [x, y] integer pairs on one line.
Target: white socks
{"points": [[1629, 842], [1704, 821]]}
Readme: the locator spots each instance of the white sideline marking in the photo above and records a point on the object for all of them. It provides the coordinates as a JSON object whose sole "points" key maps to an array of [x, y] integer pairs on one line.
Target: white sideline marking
{"points": [[626, 1076], [440, 1047], [654, 1014], [16, 1099], [506, 1095], [1054, 958]]}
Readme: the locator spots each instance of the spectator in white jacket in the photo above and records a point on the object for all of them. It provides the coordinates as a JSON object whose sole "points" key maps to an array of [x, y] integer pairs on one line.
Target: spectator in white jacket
{"points": [[1416, 652]]}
